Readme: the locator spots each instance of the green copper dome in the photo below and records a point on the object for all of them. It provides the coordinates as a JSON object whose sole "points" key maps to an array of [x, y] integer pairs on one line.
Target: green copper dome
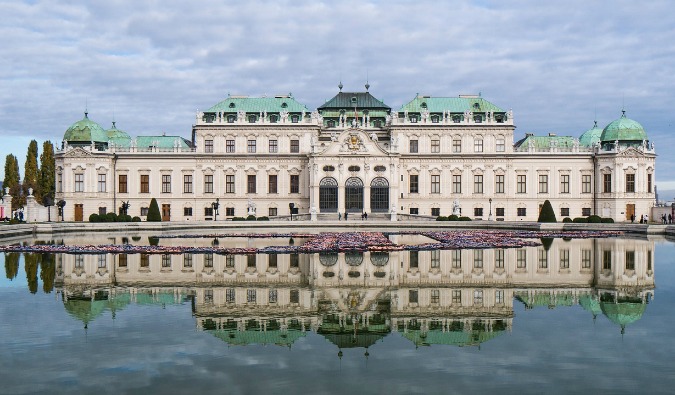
{"points": [[591, 137], [114, 133], [85, 131], [623, 129], [624, 313]]}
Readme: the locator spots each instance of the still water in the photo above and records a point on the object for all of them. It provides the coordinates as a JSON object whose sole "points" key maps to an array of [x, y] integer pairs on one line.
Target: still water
{"points": [[569, 316]]}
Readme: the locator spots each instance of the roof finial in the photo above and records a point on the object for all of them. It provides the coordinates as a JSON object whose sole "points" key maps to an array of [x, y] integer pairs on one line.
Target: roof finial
{"points": [[367, 84], [340, 85], [86, 109]]}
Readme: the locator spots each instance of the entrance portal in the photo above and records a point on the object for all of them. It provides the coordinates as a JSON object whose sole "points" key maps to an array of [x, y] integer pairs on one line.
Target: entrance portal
{"points": [[79, 212], [630, 211], [354, 195], [328, 195], [166, 212], [379, 195]]}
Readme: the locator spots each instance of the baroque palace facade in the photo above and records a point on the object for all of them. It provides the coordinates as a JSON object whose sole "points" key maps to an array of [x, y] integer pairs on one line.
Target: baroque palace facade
{"points": [[354, 154]]}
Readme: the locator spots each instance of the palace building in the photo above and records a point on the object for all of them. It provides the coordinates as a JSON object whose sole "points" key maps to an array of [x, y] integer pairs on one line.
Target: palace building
{"points": [[273, 156]]}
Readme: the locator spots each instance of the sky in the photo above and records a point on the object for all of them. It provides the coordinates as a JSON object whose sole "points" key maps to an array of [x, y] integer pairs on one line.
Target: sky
{"points": [[152, 65]]}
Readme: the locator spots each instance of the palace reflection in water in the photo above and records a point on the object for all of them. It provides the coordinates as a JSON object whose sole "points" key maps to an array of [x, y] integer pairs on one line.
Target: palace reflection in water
{"points": [[453, 297]]}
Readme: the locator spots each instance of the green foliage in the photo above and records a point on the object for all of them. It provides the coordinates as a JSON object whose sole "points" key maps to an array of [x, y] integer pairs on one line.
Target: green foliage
{"points": [[153, 240], [464, 219], [547, 214], [238, 219], [263, 219], [31, 262], [250, 218], [94, 218], [136, 219], [567, 220], [153, 212], [594, 219], [607, 220], [580, 220], [12, 180], [547, 242], [48, 272], [31, 173], [47, 171], [453, 217], [441, 218], [11, 265], [111, 217]]}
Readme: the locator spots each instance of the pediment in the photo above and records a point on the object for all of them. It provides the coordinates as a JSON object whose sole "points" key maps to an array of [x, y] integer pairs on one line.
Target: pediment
{"points": [[631, 152], [78, 152], [353, 142]]}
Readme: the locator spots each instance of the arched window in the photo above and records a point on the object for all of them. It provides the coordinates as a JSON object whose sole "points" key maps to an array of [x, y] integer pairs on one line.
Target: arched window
{"points": [[328, 195], [328, 258], [354, 168], [353, 258], [354, 195], [379, 258], [379, 195]]}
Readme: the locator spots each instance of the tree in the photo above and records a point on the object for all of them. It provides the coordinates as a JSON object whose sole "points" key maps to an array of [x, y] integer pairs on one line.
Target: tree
{"points": [[47, 171], [547, 214], [153, 212], [31, 173], [12, 180]]}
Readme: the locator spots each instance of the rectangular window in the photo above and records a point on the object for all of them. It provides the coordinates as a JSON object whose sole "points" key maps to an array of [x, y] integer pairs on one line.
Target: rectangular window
{"points": [[499, 259], [435, 296], [145, 260], [478, 259], [145, 183], [521, 259], [564, 259], [208, 296], [272, 183], [586, 259], [499, 296], [435, 146], [456, 146], [101, 261], [187, 211], [229, 183], [229, 211], [543, 183], [499, 211], [208, 146], [607, 183], [501, 145], [435, 183], [435, 259], [273, 296], [229, 146], [295, 260], [295, 146], [102, 210], [230, 295], [101, 183], [208, 211], [630, 183], [272, 212], [521, 184], [229, 260], [649, 183], [478, 183], [607, 260], [166, 183], [414, 259], [564, 183], [414, 210], [274, 146], [456, 259], [144, 211], [79, 182], [630, 260], [295, 183], [564, 211], [414, 183], [251, 184], [166, 261], [251, 146], [413, 146], [478, 297], [478, 145], [208, 260], [586, 183], [59, 184], [435, 211], [271, 260], [187, 183], [456, 184], [499, 183], [79, 261], [413, 296], [250, 296], [122, 260], [477, 211], [208, 183], [522, 212], [457, 296]]}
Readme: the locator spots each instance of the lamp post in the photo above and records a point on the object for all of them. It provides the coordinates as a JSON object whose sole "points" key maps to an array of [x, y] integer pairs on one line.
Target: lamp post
{"points": [[291, 206], [61, 204], [48, 202], [215, 206], [490, 216]]}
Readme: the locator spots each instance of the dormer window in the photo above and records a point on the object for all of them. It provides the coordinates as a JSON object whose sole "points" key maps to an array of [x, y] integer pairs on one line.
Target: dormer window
{"points": [[413, 119], [434, 118], [424, 105], [353, 99], [331, 124], [477, 118], [476, 106], [295, 119], [377, 124], [456, 118], [499, 118], [273, 119], [231, 118], [232, 105], [251, 118], [284, 105]]}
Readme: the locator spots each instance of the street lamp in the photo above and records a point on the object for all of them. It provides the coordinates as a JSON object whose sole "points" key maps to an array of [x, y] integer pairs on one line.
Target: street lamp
{"points": [[215, 206], [61, 204], [490, 216], [48, 202], [291, 206]]}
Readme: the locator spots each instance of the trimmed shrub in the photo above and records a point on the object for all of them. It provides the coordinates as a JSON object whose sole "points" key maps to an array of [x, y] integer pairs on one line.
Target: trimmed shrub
{"points": [[238, 219], [153, 212], [153, 240], [547, 214], [136, 219], [441, 218], [111, 217], [547, 242], [263, 219], [580, 220], [594, 219], [453, 217], [567, 220], [94, 218], [607, 220], [464, 219], [250, 218]]}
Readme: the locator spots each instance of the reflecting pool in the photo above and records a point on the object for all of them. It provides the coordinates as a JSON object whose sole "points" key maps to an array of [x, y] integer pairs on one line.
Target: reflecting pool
{"points": [[566, 316]]}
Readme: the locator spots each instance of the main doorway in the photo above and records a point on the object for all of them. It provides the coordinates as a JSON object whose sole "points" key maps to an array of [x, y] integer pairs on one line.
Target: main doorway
{"points": [[166, 212], [328, 195], [379, 195], [630, 211], [354, 195], [79, 212]]}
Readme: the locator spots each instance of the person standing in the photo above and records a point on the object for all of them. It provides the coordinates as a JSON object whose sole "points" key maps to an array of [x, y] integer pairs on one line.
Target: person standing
{"points": [[632, 218], [346, 214], [339, 216], [642, 219]]}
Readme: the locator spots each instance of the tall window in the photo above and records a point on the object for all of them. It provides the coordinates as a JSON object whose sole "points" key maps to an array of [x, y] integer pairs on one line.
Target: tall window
{"points": [[607, 260], [521, 259], [457, 183], [649, 183], [435, 293], [499, 296], [208, 183], [250, 184], [456, 146], [101, 183], [456, 259], [273, 295], [274, 146], [230, 295], [229, 183], [543, 183], [501, 145], [456, 296], [435, 258], [251, 147], [478, 297], [413, 296], [499, 258], [166, 183], [499, 183], [145, 183], [543, 259], [59, 183], [435, 146], [79, 182], [478, 145], [521, 184], [478, 183], [607, 183], [413, 146], [295, 183], [586, 259], [272, 183], [295, 146], [414, 183], [208, 146], [565, 259], [435, 183], [630, 183], [229, 146], [586, 183], [250, 296], [564, 183], [122, 183], [478, 259], [187, 183]]}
